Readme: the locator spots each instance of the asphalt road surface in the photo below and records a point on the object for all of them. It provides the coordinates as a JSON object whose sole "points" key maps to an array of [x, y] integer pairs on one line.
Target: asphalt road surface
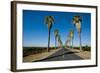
{"points": [[63, 54]]}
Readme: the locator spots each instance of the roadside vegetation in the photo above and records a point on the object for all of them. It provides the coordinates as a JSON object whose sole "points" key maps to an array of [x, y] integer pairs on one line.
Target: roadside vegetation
{"points": [[35, 50], [84, 48]]}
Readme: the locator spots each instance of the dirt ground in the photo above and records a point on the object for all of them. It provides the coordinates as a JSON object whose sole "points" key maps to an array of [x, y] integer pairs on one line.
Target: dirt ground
{"points": [[30, 58], [39, 56], [83, 54]]}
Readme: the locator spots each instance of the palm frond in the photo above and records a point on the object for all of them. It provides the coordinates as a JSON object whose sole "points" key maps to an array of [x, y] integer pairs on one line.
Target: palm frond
{"points": [[49, 20], [56, 31]]}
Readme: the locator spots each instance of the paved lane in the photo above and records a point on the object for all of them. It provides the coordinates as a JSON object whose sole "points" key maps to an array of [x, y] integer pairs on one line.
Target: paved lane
{"points": [[63, 54]]}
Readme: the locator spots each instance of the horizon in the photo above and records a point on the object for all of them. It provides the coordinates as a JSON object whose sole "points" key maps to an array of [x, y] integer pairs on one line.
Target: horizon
{"points": [[54, 46], [35, 32]]}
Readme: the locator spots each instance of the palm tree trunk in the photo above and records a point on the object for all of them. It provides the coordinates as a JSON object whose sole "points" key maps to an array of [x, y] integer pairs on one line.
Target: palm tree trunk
{"points": [[55, 43], [80, 42], [48, 49], [72, 43]]}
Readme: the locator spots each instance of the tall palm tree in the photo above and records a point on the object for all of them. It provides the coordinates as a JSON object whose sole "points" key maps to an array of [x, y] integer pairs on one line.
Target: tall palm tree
{"points": [[77, 22], [72, 36], [59, 41], [56, 35], [67, 41], [49, 20]]}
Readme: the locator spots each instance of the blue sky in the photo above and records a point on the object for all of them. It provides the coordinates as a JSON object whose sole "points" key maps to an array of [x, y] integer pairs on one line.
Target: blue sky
{"points": [[35, 31]]}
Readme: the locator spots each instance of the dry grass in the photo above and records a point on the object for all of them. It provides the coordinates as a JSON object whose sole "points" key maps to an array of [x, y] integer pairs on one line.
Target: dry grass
{"points": [[30, 58], [83, 54], [39, 56]]}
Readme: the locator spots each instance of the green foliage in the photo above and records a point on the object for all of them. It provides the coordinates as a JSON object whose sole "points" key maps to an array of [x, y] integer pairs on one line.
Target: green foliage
{"points": [[49, 20], [35, 50], [63, 46], [84, 48]]}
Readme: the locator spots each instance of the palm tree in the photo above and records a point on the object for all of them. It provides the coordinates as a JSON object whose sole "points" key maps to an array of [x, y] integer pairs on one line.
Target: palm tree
{"points": [[59, 41], [77, 22], [67, 41], [72, 36], [49, 20], [56, 34]]}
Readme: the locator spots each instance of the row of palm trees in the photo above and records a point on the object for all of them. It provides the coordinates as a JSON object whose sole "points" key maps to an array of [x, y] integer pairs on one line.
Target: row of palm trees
{"points": [[49, 20], [70, 38], [57, 38]]}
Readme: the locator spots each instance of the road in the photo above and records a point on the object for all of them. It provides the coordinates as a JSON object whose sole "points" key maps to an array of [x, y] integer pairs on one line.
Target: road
{"points": [[63, 54]]}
